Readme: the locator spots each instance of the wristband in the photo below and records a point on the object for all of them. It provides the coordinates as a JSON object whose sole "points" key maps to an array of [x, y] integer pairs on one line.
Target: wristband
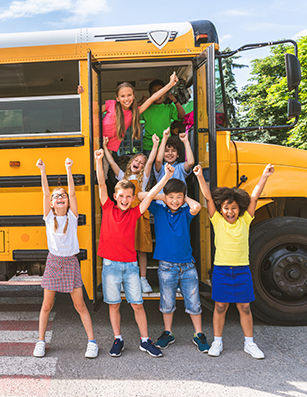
{"points": [[175, 102]]}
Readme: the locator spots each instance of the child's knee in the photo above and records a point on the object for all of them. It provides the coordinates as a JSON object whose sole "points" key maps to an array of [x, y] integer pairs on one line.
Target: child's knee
{"points": [[221, 308], [137, 308], [80, 307], [47, 306], [244, 308]]}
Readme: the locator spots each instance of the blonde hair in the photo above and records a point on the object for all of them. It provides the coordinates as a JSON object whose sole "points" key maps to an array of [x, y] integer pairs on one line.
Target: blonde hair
{"points": [[140, 174], [55, 222], [120, 119], [124, 184]]}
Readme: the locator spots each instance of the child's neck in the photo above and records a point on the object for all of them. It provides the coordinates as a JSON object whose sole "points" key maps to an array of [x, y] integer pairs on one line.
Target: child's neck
{"points": [[60, 212]]}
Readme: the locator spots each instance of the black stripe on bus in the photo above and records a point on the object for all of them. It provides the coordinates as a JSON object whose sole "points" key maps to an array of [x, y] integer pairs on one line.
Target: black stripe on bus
{"points": [[31, 220], [35, 180], [41, 255], [41, 143]]}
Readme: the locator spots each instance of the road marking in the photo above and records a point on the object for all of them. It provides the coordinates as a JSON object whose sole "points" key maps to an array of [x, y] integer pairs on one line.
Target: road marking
{"points": [[28, 366], [23, 336]]}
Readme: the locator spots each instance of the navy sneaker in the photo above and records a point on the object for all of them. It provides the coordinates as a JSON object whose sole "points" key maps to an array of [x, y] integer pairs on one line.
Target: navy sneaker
{"points": [[165, 340], [150, 348], [201, 342], [117, 348]]}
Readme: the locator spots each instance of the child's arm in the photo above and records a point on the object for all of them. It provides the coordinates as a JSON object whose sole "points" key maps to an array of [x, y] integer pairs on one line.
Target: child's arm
{"points": [[142, 195], [152, 155], [194, 205], [46, 192], [160, 154], [180, 110], [109, 157], [103, 191], [71, 187], [169, 171], [172, 81], [188, 151], [198, 171], [268, 171]]}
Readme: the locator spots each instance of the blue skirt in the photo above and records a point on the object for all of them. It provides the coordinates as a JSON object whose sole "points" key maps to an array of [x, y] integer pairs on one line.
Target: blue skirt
{"points": [[232, 284]]}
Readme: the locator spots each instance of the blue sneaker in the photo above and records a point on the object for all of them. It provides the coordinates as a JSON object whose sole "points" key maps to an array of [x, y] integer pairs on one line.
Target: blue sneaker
{"points": [[201, 342], [165, 340], [117, 348], [150, 348]]}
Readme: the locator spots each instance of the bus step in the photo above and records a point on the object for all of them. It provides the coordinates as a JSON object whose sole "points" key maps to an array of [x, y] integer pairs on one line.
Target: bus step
{"points": [[206, 301]]}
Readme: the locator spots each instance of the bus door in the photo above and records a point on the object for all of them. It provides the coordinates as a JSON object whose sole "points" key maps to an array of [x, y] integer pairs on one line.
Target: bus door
{"points": [[95, 142], [205, 143]]}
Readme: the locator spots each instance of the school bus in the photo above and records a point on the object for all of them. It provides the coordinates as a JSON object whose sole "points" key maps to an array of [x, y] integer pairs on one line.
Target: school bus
{"points": [[42, 116]]}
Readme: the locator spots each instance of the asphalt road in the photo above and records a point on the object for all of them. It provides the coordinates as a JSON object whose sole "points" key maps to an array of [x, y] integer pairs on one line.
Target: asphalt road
{"points": [[182, 371]]}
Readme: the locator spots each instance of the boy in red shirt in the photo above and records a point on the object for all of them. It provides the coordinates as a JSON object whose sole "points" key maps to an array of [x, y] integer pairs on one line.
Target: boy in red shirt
{"points": [[116, 247]]}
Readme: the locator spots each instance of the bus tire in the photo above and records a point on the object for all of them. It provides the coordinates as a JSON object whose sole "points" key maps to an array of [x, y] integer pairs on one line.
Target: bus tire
{"points": [[278, 257]]}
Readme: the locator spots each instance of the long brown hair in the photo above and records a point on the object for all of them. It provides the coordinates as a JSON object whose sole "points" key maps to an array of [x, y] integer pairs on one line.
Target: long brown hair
{"points": [[55, 222], [120, 119]]}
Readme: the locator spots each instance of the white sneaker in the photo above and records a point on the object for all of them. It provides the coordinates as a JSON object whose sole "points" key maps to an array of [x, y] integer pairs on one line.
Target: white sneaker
{"points": [[215, 349], [253, 350], [92, 350], [145, 285], [122, 288], [39, 350]]}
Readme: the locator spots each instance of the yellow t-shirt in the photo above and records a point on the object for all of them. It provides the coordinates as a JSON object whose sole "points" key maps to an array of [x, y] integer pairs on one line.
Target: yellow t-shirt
{"points": [[231, 240]]}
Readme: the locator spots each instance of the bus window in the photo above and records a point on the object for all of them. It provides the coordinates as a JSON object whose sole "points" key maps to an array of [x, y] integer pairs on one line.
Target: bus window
{"points": [[39, 98]]}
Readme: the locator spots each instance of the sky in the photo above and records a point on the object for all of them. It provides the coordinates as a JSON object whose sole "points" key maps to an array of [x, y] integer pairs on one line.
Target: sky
{"points": [[237, 22]]}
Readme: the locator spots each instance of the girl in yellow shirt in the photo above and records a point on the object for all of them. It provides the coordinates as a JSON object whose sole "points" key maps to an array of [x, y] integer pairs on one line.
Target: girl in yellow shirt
{"points": [[231, 211]]}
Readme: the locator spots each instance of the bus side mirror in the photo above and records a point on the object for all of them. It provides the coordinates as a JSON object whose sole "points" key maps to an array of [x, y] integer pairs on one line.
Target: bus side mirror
{"points": [[293, 71], [294, 108]]}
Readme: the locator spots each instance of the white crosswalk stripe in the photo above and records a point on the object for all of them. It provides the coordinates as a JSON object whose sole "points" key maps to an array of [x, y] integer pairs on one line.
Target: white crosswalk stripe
{"points": [[23, 336], [27, 366]]}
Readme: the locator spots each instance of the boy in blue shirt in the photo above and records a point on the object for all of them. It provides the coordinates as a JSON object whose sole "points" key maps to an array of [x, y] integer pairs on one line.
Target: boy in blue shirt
{"points": [[176, 263]]}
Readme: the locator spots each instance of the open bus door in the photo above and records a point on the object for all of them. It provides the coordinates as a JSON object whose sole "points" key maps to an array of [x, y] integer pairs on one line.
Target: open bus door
{"points": [[95, 141], [205, 142]]}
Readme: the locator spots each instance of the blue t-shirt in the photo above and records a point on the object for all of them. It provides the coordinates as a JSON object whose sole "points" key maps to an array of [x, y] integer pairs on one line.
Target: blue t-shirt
{"points": [[172, 229], [179, 173]]}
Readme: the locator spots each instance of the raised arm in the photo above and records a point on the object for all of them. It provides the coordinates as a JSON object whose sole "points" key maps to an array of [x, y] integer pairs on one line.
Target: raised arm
{"points": [[152, 155], [172, 81], [160, 154], [46, 192], [194, 205], [169, 171], [198, 171], [71, 187], [109, 157], [103, 191], [268, 171], [188, 151]]}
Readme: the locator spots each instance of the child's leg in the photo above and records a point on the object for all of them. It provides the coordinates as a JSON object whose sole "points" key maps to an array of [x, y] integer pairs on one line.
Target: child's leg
{"points": [[45, 311], [196, 320], [80, 306], [142, 259], [114, 314], [246, 319], [141, 319], [219, 316], [168, 321]]}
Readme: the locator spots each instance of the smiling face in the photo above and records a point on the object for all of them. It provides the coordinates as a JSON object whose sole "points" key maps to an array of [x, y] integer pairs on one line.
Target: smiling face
{"points": [[155, 89], [59, 201], [170, 154], [125, 97], [174, 201], [230, 211], [124, 198], [137, 164]]}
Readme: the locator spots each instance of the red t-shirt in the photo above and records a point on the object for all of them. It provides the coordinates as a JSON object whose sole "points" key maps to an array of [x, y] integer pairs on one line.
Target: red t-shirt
{"points": [[109, 124], [117, 233]]}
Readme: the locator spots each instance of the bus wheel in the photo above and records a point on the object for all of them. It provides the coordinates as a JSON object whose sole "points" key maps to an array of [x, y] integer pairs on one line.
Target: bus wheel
{"points": [[278, 257]]}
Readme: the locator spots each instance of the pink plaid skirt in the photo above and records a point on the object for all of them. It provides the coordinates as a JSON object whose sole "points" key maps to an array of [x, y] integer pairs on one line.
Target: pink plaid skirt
{"points": [[62, 273]]}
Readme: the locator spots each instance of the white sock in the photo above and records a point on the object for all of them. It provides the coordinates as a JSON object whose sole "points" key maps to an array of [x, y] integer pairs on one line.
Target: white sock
{"points": [[143, 278], [144, 339], [248, 340], [118, 337], [218, 339]]}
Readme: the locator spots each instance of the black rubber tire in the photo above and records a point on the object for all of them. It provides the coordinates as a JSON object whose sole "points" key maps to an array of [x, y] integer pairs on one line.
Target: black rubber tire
{"points": [[278, 251]]}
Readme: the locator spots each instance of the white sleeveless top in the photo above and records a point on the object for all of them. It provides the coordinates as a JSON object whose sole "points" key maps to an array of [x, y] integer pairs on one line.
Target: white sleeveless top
{"points": [[59, 243]]}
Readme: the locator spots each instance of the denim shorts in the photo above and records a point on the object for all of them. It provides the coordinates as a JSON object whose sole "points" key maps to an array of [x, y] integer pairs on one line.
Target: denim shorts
{"points": [[184, 275], [114, 274]]}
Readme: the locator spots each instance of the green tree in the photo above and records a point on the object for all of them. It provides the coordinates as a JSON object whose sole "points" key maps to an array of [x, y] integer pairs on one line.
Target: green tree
{"points": [[263, 102]]}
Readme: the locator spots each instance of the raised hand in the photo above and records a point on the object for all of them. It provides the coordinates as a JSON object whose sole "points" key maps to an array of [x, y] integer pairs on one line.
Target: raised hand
{"points": [[198, 171], [183, 137], [169, 170], [166, 133], [99, 154], [269, 170], [68, 163], [173, 79], [105, 141], [155, 140], [40, 164]]}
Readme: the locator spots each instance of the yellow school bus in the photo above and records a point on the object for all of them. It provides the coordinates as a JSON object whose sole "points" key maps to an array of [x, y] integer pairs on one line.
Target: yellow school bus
{"points": [[42, 116]]}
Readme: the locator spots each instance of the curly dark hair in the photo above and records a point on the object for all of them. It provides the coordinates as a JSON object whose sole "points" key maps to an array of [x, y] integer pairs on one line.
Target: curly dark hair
{"points": [[240, 196], [175, 143], [154, 83]]}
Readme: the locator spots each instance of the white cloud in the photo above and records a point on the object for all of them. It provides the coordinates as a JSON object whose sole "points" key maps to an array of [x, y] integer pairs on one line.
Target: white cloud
{"points": [[300, 34], [225, 37], [79, 10], [236, 13]]}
